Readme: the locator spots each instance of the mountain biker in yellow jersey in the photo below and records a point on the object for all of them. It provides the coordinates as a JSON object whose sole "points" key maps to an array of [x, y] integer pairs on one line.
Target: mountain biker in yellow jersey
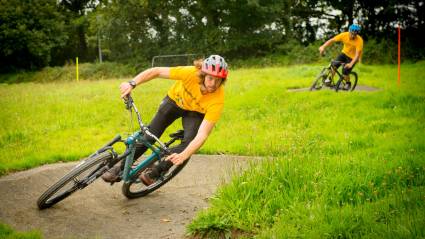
{"points": [[197, 97], [351, 52]]}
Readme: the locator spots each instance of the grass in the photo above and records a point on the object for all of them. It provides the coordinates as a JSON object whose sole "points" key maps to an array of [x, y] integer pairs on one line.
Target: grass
{"points": [[88, 71], [344, 165], [336, 164], [7, 232], [45, 123]]}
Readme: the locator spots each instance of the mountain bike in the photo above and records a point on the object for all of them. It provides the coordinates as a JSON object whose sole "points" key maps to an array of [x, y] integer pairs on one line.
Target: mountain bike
{"points": [[91, 168], [329, 73]]}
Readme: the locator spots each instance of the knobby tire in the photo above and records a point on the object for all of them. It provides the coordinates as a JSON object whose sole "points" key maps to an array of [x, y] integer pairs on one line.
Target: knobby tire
{"points": [[318, 82], [341, 82], [94, 167], [141, 190]]}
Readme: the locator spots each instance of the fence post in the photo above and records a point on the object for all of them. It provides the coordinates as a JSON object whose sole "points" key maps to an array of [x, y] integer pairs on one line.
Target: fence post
{"points": [[76, 64], [399, 61]]}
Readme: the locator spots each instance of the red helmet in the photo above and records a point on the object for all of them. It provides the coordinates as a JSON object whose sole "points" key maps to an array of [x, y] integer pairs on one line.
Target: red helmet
{"points": [[215, 65]]}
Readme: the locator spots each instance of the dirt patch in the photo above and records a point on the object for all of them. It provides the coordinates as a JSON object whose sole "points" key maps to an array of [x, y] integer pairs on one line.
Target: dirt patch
{"points": [[358, 88], [101, 211]]}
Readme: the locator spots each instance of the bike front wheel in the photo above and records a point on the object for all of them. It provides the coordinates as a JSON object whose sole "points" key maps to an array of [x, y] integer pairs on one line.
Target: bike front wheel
{"points": [[82, 175], [135, 188], [319, 81], [342, 83]]}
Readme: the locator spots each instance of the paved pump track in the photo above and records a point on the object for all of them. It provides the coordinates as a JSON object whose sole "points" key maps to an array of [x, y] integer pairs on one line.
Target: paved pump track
{"points": [[101, 211], [358, 88]]}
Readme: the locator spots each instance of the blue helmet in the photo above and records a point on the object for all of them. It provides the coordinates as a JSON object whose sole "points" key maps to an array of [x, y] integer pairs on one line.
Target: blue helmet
{"points": [[355, 28]]}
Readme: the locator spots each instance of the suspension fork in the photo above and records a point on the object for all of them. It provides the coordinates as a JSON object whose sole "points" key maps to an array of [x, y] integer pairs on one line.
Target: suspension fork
{"points": [[333, 71], [129, 172]]}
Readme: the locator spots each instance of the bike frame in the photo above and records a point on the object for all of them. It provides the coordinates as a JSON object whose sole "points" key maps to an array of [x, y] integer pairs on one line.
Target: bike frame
{"points": [[333, 69], [130, 143]]}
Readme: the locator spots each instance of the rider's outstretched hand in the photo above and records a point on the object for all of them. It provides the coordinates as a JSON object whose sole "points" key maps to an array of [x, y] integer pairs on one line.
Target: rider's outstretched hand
{"points": [[177, 159], [321, 50], [125, 89]]}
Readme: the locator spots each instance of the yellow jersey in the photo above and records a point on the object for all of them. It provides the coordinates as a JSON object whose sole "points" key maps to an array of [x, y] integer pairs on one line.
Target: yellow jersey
{"points": [[186, 92], [350, 46]]}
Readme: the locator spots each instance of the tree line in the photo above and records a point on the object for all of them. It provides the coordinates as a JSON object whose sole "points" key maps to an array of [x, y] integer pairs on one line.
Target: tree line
{"points": [[39, 33]]}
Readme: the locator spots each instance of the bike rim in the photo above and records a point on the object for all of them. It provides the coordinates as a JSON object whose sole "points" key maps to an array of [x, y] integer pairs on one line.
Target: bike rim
{"points": [[73, 184]]}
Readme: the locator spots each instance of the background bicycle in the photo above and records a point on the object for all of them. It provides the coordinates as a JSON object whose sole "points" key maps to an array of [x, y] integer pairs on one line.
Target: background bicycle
{"points": [[326, 78], [92, 167]]}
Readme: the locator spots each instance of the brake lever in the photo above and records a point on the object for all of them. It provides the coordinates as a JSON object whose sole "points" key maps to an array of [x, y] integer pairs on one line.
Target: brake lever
{"points": [[128, 101]]}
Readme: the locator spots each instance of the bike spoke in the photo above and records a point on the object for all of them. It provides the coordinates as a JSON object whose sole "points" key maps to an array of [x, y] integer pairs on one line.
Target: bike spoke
{"points": [[78, 178]]}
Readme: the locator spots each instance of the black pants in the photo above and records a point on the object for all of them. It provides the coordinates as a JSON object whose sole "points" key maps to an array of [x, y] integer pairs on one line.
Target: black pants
{"points": [[342, 58], [167, 113]]}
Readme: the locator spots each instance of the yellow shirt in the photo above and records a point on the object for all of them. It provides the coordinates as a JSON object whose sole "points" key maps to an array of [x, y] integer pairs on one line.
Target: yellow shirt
{"points": [[187, 94], [350, 46]]}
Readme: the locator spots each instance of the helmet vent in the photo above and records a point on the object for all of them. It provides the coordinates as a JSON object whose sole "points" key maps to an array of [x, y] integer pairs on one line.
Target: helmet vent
{"points": [[215, 65]]}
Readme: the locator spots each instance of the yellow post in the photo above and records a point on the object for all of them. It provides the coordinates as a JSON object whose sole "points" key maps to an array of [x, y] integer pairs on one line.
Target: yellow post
{"points": [[76, 62]]}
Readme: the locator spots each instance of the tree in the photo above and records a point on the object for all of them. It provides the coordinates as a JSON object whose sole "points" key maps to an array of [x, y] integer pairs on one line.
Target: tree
{"points": [[77, 24], [29, 32]]}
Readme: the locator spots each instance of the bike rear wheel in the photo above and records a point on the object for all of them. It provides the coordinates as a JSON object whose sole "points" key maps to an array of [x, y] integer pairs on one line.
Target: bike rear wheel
{"points": [[135, 188], [319, 81], [341, 84], [82, 175]]}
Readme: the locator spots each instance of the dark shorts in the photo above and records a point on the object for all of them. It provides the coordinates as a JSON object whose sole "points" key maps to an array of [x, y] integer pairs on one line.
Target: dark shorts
{"points": [[342, 58], [167, 113]]}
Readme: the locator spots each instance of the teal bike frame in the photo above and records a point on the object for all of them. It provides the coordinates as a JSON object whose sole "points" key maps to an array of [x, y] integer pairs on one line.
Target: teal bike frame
{"points": [[139, 138]]}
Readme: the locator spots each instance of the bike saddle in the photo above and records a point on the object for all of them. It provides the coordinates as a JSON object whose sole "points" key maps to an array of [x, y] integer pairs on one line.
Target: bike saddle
{"points": [[179, 134]]}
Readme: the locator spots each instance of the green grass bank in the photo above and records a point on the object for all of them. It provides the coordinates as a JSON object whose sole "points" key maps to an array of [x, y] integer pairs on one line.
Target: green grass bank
{"points": [[346, 165], [7, 232], [335, 164]]}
